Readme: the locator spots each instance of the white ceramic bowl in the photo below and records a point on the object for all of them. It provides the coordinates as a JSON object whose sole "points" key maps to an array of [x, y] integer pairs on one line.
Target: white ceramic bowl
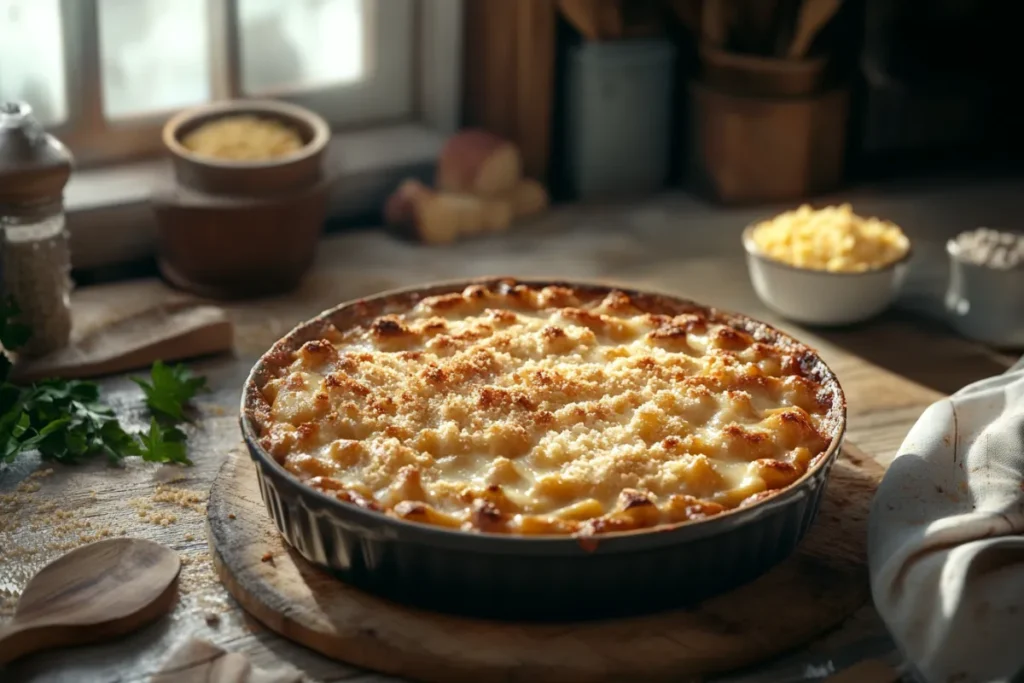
{"points": [[820, 297], [986, 304]]}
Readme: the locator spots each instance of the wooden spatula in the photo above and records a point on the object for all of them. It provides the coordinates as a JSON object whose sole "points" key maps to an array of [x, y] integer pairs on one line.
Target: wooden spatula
{"points": [[814, 14], [167, 332], [715, 23], [97, 592]]}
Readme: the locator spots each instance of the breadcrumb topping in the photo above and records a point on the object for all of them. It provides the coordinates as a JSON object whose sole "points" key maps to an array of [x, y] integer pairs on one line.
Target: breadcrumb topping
{"points": [[514, 409]]}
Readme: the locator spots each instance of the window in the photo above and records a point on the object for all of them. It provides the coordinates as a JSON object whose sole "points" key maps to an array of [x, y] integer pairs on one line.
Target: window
{"points": [[32, 57], [105, 74]]}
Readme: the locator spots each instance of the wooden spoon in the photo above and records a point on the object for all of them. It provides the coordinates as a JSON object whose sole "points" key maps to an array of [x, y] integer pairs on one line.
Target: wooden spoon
{"points": [[596, 20], [96, 592], [715, 20], [814, 14]]}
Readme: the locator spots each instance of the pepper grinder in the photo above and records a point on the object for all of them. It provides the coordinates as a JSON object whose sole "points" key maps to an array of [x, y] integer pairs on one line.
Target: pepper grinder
{"points": [[35, 254]]}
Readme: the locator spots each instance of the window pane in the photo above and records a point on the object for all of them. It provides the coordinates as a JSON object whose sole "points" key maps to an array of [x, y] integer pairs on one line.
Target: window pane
{"points": [[290, 45], [154, 55], [32, 57]]}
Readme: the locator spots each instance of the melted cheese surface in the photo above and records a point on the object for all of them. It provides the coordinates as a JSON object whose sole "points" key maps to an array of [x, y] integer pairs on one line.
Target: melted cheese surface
{"points": [[536, 412]]}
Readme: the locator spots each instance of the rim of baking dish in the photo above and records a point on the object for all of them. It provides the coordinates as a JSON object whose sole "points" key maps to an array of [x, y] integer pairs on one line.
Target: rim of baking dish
{"points": [[372, 521]]}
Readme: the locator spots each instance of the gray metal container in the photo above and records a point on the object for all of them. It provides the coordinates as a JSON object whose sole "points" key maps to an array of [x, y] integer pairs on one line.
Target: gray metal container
{"points": [[619, 117]]}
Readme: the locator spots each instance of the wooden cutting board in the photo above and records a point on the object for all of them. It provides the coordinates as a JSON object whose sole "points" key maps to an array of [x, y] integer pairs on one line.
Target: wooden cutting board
{"points": [[111, 339], [199, 661], [814, 590]]}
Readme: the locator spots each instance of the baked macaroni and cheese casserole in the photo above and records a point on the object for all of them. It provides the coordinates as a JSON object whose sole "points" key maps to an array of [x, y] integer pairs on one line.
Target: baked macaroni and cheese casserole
{"points": [[508, 408], [541, 450]]}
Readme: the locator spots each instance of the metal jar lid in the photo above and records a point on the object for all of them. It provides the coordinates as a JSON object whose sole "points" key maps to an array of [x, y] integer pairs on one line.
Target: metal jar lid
{"points": [[34, 166]]}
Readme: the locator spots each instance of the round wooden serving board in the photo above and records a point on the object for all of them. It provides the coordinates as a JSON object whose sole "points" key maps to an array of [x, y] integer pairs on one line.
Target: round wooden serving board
{"points": [[811, 592]]}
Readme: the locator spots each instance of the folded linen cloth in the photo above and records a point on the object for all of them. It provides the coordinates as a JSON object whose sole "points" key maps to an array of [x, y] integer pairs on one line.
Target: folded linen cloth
{"points": [[946, 536]]}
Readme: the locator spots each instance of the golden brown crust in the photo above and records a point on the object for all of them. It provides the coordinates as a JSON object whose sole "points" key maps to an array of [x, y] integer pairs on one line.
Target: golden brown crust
{"points": [[510, 408]]}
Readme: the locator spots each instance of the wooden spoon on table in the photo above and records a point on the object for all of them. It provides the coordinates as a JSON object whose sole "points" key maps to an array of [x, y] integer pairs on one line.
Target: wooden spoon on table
{"points": [[97, 592]]}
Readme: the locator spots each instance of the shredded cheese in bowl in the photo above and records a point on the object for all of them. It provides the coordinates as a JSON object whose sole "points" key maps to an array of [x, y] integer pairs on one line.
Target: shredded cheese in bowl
{"points": [[833, 239], [243, 138]]}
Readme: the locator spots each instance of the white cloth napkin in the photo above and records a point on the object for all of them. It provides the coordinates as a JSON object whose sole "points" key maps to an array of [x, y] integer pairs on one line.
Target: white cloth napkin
{"points": [[946, 536]]}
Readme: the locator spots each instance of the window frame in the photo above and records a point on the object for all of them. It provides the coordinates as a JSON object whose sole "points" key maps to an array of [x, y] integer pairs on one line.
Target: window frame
{"points": [[388, 96], [110, 220]]}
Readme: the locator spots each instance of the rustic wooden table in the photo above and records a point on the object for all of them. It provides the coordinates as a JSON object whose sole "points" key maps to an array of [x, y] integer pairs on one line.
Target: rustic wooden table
{"points": [[891, 369]]}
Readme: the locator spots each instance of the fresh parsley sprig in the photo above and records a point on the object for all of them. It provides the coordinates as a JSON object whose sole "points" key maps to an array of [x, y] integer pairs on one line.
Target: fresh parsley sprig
{"points": [[66, 421], [163, 443], [169, 389], [72, 424]]}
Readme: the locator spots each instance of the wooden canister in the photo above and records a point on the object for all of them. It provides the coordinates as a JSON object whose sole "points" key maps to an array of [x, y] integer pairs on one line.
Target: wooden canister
{"points": [[763, 76], [747, 149]]}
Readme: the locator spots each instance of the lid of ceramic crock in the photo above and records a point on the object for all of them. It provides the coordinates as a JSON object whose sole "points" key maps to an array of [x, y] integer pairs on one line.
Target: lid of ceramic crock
{"points": [[34, 166]]}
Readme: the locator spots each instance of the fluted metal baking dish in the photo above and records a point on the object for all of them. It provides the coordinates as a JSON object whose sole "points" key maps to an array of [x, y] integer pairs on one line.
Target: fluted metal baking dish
{"points": [[536, 577]]}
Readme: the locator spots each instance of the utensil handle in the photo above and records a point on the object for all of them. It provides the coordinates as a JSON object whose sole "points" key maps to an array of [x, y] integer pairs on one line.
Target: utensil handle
{"points": [[18, 640], [784, 25]]}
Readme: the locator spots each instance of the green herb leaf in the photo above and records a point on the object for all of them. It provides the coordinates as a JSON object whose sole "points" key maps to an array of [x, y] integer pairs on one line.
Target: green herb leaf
{"points": [[10, 399], [66, 421], [117, 443], [16, 434], [13, 335], [70, 423], [12, 426], [169, 389], [33, 442], [164, 444]]}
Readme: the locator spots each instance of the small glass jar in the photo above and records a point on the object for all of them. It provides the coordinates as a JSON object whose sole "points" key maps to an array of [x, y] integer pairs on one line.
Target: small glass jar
{"points": [[35, 255]]}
